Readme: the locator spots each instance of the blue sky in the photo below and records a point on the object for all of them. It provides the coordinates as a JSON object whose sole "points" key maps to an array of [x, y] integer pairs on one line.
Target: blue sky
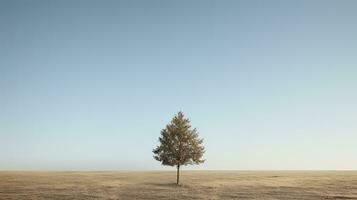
{"points": [[88, 85]]}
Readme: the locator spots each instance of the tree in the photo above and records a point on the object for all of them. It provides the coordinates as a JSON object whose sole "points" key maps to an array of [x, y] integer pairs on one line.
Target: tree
{"points": [[179, 145]]}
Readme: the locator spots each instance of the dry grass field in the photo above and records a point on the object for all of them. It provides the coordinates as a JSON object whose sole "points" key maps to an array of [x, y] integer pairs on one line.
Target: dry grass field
{"points": [[195, 185]]}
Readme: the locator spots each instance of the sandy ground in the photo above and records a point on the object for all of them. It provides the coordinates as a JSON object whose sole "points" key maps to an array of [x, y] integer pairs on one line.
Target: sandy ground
{"points": [[195, 185]]}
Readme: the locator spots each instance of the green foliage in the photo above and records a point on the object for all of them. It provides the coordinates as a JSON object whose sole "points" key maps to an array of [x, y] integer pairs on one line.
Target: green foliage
{"points": [[179, 144]]}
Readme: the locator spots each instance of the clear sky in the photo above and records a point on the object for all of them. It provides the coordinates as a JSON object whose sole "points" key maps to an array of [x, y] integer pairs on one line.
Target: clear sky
{"points": [[88, 85]]}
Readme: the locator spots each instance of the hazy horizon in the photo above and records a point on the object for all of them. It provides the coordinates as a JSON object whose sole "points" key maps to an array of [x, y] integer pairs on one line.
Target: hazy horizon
{"points": [[88, 85]]}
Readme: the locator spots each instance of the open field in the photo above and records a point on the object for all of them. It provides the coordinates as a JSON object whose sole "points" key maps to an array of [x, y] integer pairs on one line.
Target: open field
{"points": [[195, 185]]}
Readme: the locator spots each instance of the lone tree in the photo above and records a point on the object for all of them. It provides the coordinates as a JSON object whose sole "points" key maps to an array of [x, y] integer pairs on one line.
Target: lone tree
{"points": [[179, 144]]}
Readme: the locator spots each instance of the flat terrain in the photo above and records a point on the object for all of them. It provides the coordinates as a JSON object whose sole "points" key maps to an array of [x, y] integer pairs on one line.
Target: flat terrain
{"points": [[195, 185]]}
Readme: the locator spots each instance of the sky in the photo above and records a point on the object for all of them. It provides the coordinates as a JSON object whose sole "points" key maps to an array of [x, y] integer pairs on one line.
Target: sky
{"points": [[88, 85]]}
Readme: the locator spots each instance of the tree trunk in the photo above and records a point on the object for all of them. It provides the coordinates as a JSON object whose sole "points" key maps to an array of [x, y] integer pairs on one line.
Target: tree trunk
{"points": [[178, 175]]}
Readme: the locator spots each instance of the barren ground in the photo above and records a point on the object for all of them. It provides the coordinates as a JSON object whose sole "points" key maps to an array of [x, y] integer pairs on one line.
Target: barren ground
{"points": [[195, 185]]}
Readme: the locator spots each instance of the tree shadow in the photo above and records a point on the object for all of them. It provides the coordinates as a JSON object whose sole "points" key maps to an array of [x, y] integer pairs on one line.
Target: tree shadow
{"points": [[169, 185]]}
